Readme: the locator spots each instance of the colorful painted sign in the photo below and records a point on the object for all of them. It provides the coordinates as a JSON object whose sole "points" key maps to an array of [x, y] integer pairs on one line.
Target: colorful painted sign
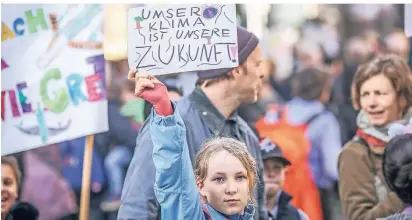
{"points": [[53, 84]]}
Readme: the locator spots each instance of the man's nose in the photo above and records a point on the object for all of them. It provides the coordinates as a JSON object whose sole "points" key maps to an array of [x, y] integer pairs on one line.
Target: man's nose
{"points": [[261, 75]]}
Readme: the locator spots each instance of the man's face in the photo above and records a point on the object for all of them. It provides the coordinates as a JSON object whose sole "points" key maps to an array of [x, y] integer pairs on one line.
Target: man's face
{"points": [[274, 176], [248, 78]]}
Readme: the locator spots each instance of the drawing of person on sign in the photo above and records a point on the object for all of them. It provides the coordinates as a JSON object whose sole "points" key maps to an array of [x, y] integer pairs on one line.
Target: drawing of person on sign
{"points": [[176, 38]]}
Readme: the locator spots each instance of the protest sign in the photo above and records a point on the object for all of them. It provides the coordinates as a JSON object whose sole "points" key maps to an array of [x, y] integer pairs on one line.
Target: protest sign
{"points": [[180, 38], [408, 19], [53, 85]]}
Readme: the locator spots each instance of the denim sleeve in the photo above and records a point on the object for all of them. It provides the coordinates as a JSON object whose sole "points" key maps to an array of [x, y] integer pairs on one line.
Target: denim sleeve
{"points": [[138, 200], [175, 185]]}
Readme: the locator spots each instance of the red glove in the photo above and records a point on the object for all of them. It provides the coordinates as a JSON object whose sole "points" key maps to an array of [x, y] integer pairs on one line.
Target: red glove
{"points": [[155, 92]]}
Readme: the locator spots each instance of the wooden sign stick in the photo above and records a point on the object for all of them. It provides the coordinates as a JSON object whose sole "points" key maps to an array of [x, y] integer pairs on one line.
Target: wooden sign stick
{"points": [[86, 178]]}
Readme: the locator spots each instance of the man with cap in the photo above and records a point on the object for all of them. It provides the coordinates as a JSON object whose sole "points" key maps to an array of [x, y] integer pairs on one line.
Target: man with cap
{"points": [[209, 111], [277, 200]]}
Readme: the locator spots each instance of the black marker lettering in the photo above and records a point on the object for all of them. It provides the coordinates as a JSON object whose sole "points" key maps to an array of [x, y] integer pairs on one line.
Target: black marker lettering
{"points": [[216, 53], [157, 14], [204, 51], [156, 38], [198, 20], [188, 34], [205, 33], [215, 32], [192, 11], [225, 33], [182, 23], [161, 26], [169, 13], [148, 14], [180, 12], [151, 26], [179, 52], [228, 48], [190, 54], [177, 34], [163, 32], [195, 32], [138, 65], [171, 57]]}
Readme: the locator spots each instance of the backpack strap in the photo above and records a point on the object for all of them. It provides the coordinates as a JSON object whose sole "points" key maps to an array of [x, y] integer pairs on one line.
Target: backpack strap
{"points": [[282, 109], [315, 116]]}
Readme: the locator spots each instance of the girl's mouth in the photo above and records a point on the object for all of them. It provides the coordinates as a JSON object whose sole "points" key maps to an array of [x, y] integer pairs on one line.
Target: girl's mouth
{"points": [[4, 202], [232, 201]]}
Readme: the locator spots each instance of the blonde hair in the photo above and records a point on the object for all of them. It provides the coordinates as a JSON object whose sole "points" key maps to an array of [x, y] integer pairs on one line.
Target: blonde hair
{"points": [[235, 148]]}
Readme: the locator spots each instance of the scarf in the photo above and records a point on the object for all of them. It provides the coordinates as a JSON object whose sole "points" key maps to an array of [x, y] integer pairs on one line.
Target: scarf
{"points": [[377, 135], [407, 210]]}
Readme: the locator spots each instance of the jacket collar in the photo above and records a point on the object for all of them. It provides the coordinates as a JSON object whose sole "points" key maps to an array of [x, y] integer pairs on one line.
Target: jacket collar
{"points": [[211, 116], [283, 202], [284, 198], [215, 215]]}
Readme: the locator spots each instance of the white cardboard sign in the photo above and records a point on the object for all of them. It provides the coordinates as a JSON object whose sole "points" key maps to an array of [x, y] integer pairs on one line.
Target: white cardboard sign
{"points": [[53, 79], [180, 38]]}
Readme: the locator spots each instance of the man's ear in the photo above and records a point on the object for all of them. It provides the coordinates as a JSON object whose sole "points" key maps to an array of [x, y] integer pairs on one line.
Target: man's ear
{"points": [[237, 71]]}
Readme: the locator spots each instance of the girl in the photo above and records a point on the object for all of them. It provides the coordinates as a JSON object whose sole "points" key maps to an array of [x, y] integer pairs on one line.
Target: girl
{"points": [[225, 174], [382, 90], [11, 208]]}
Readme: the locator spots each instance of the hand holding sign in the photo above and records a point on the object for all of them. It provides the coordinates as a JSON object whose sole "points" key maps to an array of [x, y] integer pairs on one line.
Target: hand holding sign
{"points": [[180, 38], [149, 88]]}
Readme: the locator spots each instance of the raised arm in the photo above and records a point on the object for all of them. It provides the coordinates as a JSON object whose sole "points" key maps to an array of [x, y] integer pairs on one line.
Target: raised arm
{"points": [[175, 186]]}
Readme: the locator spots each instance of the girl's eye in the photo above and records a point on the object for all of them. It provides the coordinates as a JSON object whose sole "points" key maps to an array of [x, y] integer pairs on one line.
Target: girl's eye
{"points": [[240, 178], [218, 179], [7, 182]]}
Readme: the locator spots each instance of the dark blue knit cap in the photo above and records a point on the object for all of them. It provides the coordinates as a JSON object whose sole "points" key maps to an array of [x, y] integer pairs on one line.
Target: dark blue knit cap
{"points": [[246, 41]]}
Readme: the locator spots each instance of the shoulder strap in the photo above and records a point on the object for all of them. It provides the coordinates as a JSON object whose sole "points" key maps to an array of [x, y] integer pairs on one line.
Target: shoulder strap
{"points": [[315, 116], [282, 108]]}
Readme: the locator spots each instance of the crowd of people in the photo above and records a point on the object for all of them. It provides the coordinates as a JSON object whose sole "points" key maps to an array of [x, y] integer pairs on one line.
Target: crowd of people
{"points": [[330, 141]]}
